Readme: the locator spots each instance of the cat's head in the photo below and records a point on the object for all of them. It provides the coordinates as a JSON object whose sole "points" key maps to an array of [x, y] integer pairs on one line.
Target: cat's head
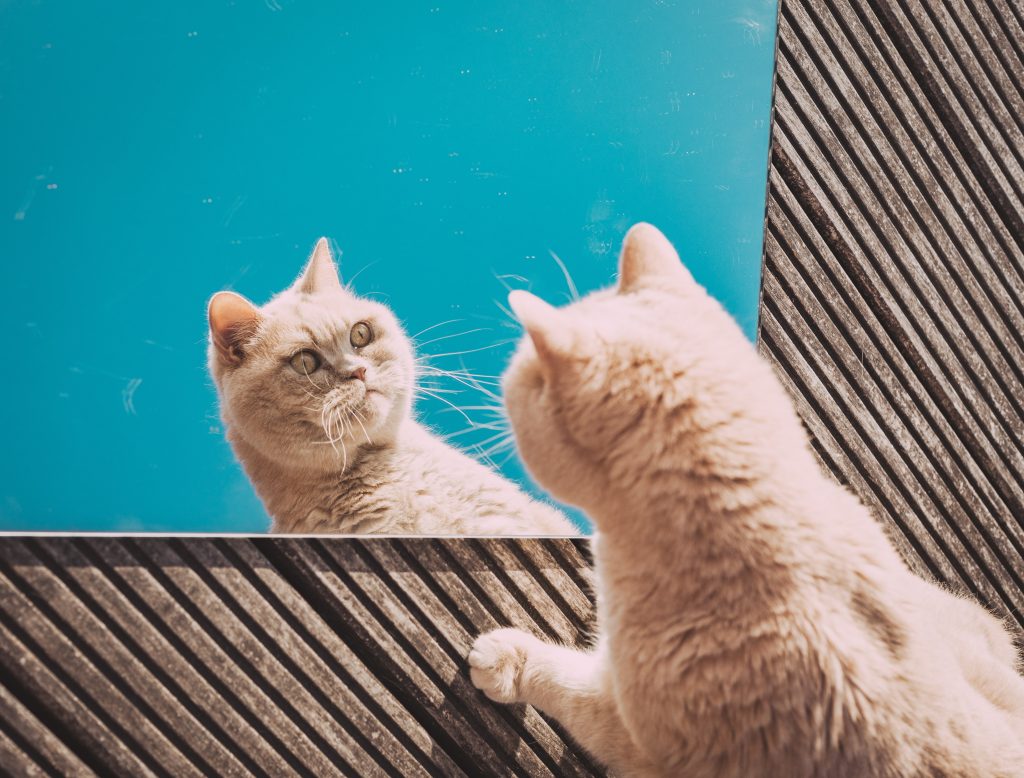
{"points": [[600, 390], [312, 375]]}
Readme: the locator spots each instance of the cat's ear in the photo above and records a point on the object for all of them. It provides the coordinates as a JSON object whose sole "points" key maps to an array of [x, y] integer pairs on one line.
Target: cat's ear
{"points": [[320, 274], [548, 327], [648, 259], [233, 320]]}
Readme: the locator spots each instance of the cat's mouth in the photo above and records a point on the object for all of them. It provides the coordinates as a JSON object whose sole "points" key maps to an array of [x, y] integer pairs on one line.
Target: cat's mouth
{"points": [[361, 405]]}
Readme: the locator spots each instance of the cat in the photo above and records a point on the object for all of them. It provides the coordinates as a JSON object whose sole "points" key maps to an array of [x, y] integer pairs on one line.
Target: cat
{"points": [[316, 391], [753, 619]]}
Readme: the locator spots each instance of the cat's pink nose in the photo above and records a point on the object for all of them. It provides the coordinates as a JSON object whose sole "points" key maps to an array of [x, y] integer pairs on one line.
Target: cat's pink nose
{"points": [[360, 373]]}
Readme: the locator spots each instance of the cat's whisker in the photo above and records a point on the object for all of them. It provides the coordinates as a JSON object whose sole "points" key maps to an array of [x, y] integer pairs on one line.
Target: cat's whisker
{"points": [[500, 447], [435, 326], [512, 320], [507, 457], [500, 439], [508, 451], [435, 370], [325, 421], [359, 420], [565, 272], [457, 379], [499, 344], [310, 395], [492, 451], [474, 428], [503, 436], [455, 335], [448, 403], [349, 284], [482, 457], [423, 364], [338, 420], [440, 390], [474, 383], [502, 276]]}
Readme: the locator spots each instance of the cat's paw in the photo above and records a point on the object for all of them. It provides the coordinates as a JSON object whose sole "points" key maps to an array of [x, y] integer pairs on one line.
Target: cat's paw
{"points": [[496, 663]]}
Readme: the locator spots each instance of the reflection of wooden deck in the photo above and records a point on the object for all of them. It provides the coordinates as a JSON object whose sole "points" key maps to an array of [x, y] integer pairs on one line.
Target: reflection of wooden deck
{"points": [[275, 656], [893, 289]]}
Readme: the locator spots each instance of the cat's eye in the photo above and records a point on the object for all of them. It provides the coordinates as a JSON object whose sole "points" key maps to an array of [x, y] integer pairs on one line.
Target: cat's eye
{"points": [[305, 362], [361, 335]]}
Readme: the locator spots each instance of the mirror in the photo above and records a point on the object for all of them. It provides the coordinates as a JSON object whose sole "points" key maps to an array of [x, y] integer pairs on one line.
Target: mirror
{"points": [[157, 153]]}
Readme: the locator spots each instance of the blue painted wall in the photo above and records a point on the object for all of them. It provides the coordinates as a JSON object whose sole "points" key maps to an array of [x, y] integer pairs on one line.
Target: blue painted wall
{"points": [[153, 153]]}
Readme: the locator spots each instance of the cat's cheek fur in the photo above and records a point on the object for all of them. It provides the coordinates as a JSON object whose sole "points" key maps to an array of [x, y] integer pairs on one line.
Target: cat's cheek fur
{"points": [[553, 465], [551, 458]]}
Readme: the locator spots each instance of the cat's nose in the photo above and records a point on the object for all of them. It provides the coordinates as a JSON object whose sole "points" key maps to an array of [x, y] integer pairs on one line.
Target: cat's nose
{"points": [[360, 373]]}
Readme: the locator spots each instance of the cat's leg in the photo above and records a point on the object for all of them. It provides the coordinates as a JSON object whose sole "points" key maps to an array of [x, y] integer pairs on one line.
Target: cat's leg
{"points": [[573, 686]]}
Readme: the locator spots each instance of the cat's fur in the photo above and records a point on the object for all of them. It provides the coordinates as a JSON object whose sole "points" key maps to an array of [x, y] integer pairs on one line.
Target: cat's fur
{"points": [[753, 618], [338, 450]]}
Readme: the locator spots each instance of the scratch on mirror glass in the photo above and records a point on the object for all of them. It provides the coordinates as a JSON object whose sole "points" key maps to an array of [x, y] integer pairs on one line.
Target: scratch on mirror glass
{"points": [[128, 395], [237, 277], [30, 196], [751, 29], [249, 238], [235, 206]]}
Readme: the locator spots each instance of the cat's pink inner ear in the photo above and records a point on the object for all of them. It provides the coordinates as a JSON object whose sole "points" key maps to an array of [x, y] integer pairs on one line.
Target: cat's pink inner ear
{"points": [[648, 259], [233, 319], [320, 273], [547, 326]]}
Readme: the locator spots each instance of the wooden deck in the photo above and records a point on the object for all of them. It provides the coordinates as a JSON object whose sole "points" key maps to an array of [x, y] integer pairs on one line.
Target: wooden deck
{"points": [[893, 285], [275, 656]]}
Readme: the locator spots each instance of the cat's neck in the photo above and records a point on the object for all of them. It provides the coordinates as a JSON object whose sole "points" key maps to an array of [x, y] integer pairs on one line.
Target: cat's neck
{"points": [[291, 489]]}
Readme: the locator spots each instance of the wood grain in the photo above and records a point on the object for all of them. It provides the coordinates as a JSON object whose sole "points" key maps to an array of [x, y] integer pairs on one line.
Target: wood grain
{"points": [[276, 655], [893, 285]]}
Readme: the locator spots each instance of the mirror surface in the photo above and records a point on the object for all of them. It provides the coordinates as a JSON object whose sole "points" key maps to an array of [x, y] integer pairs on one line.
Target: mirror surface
{"points": [[154, 153]]}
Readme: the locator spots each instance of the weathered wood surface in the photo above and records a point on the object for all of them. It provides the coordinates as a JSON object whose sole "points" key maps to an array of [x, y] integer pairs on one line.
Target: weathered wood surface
{"points": [[893, 288], [275, 656]]}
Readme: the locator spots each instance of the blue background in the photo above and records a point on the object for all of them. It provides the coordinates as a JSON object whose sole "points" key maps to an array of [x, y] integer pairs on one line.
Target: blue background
{"points": [[153, 153]]}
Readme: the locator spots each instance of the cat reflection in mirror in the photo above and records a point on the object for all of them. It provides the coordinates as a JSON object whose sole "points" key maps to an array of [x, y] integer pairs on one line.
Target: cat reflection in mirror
{"points": [[753, 619], [316, 391]]}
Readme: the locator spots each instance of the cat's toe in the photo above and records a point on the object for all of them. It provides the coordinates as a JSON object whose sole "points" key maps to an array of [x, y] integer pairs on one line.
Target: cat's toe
{"points": [[496, 663]]}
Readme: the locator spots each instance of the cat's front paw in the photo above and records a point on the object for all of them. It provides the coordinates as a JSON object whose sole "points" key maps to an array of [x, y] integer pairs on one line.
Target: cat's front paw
{"points": [[496, 663]]}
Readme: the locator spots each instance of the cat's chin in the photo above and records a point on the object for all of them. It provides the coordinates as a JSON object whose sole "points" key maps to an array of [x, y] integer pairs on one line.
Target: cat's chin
{"points": [[373, 416]]}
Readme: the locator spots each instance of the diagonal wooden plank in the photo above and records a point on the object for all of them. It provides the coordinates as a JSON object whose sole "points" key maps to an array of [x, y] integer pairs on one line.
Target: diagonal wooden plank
{"points": [[893, 292]]}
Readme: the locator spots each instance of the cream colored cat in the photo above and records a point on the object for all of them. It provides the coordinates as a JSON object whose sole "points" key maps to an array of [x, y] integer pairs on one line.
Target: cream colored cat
{"points": [[753, 618], [316, 392]]}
